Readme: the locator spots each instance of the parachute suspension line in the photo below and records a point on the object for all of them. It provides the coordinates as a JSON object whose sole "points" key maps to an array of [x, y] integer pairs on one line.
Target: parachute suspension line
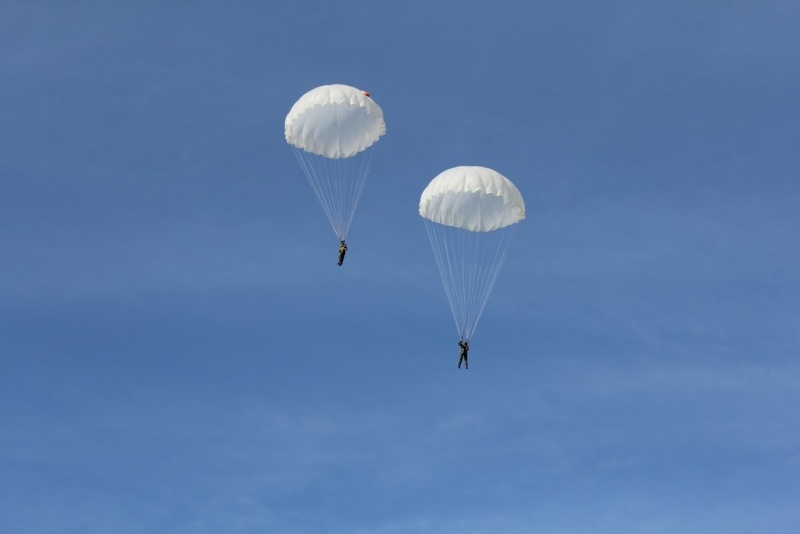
{"points": [[362, 167], [493, 248], [445, 264], [337, 184], [469, 264]]}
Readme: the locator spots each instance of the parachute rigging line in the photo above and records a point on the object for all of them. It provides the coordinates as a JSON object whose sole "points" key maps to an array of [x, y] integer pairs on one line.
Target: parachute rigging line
{"points": [[469, 264], [337, 184]]}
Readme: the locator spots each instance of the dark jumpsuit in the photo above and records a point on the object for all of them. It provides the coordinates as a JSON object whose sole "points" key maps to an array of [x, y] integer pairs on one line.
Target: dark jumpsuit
{"points": [[464, 353]]}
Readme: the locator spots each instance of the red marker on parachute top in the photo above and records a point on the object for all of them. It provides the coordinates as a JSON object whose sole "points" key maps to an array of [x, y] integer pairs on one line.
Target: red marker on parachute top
{"points": [[366, 93]]}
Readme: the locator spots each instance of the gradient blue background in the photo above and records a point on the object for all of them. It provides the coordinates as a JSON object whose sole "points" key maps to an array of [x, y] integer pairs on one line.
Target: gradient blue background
{"points": [[180, 354]]}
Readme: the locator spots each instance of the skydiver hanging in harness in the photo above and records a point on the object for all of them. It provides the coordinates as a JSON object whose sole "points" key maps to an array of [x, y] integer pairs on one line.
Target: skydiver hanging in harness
{"points": [[342, 251], [464, 353]]}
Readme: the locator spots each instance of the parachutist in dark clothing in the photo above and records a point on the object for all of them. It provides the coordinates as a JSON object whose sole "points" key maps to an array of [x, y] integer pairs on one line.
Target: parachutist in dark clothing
{"points": [[464, 353], [342, 251]]}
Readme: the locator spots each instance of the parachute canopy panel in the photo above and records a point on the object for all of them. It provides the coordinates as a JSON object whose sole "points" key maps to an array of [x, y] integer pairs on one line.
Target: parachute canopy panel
{"points": [[477, 199], [334, 121]]}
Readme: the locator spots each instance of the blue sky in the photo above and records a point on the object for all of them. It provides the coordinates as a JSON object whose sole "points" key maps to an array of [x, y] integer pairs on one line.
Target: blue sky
{"points": [[179, 352]]}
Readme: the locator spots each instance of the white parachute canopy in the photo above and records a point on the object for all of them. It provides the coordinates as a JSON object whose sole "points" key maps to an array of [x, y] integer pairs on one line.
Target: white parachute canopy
{"points": [[331, 128], [469, 213]]}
